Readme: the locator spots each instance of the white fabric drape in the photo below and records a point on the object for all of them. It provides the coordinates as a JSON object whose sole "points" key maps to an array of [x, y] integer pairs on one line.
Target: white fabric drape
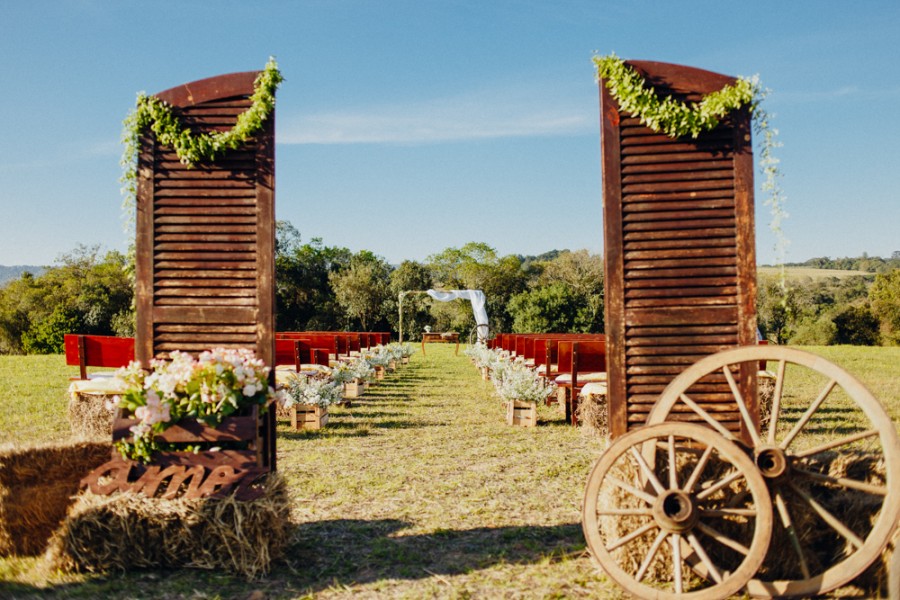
{"points": [[476, 297]]}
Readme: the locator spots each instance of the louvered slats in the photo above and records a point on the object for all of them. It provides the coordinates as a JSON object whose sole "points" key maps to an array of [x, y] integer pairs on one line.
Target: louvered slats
{"points": [[675, 234], [205, 229]]}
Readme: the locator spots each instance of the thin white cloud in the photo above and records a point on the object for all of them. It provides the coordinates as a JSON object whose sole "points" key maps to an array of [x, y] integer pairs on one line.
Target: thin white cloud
{"points": [[847, 91], [475, 116]]}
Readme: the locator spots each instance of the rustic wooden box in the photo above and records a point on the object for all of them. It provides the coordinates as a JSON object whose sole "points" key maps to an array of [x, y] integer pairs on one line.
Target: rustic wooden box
{"points": [[354, 389], [308, 416], [523, 414]]}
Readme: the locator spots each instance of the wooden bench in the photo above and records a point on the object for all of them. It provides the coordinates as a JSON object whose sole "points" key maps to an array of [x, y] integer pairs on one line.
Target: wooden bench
{"points": [[86, 351], [586, 358], [445, 338]]}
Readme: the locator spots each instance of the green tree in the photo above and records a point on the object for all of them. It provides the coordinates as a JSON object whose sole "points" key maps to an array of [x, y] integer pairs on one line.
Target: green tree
{"points": [[551, 308], [582, 272], [88, 292], [411, 275], [884, 297], [476, 266], [362, 290], [304, 299], [856, 325]]}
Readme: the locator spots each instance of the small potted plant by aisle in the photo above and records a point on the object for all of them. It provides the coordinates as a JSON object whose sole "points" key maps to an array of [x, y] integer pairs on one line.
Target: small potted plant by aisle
{"points": [[522, 389], [308, 400]]}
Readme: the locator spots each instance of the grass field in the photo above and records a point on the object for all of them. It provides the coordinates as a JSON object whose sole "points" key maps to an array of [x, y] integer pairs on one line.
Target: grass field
{"points": [[795, 273], [419, 490]]}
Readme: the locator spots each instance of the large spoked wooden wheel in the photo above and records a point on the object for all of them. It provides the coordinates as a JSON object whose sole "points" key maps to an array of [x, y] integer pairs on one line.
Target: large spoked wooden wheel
{"points": [[829, 454], [663, 499]]}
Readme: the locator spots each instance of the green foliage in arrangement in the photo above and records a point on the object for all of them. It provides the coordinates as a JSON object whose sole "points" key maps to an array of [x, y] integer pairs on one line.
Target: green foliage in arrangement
{"points": [[677, 119], [151, 113], [668, 115]]}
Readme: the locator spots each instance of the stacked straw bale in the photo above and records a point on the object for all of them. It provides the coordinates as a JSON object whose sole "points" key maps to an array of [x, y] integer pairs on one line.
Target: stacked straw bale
{"points": [[37, 486], [126, 531]]}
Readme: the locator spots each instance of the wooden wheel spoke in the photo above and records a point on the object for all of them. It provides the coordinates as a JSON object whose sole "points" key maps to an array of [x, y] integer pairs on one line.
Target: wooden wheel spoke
{"points": [[631, 536], [729, 512], [708, 418], [723, 539], [624, 512], [651, 553], [829, 518], [846, 482], [804, 419], [698, 470], [651, 476], [742, 405], [675, 542], [788, 525], [837, 443], [673, 472], [704, 557], [776, 401], [645, 496], [727, 480]]}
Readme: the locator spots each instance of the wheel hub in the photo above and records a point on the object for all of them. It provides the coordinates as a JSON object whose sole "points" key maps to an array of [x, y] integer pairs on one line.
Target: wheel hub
{"points": [[675, 511], [772, 462]]}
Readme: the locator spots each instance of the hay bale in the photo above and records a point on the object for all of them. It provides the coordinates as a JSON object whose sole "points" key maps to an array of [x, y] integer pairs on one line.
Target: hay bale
{"points": [[593, 414], [89, 416], [37, 486], [127, 531]]}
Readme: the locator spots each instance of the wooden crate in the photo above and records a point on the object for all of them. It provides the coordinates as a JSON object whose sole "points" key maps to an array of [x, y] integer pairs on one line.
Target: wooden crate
{"points": [[308, 416], [523, 414], [354, 389]]}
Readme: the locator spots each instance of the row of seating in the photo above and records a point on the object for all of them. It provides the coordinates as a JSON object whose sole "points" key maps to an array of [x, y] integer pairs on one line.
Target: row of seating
{"points": [[294, 348], [576, 362]]}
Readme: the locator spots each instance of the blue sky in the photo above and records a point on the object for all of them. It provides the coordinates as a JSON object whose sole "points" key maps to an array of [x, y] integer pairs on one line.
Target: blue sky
{"points": [[406, 127]]}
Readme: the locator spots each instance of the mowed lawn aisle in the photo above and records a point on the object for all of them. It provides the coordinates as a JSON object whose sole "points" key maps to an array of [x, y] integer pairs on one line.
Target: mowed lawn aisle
{"points": [[420, 489]]}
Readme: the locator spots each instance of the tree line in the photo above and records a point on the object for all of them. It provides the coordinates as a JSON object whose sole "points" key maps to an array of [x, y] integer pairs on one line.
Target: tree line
{"points": [[320, 287]]}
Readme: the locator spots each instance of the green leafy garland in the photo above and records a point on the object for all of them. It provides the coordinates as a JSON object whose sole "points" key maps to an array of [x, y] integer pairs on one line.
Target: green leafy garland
{"points": [[676, 119], [152, 113]]}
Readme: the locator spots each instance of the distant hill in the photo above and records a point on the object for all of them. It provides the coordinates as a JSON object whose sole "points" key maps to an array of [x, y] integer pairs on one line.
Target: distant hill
{"points": [[15, 271], [793, 272]]}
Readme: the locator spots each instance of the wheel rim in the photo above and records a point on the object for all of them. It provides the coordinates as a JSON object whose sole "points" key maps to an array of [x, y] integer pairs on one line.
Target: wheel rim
{"points": [[639, 513], [821, 417]]}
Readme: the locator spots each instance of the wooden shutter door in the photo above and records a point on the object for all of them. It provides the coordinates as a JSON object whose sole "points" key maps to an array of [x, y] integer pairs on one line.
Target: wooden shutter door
{"points": [[679, 250], [206, 235]]}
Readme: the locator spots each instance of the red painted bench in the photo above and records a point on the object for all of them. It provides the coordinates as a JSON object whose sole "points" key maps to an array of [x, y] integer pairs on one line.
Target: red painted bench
{"points": [[86, 351]]}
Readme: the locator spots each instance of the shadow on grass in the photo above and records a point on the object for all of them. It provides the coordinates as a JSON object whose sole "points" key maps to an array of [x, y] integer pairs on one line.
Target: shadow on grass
{"points": [[348, 552]]}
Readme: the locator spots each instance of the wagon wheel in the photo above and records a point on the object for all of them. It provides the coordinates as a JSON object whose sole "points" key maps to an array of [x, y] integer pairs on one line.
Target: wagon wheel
{"points": [[648, 524], [824, 434], [479, 333]]}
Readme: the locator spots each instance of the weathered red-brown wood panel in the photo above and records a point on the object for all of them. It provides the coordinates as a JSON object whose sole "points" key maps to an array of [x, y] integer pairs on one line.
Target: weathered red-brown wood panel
{"points": [[679, 249], [205, 241]]}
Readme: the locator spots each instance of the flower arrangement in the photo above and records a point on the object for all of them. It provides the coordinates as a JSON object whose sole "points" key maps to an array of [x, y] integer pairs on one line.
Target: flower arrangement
{"points": [[521, 383], [377, 357], [358, 369], [312, 391], [217, 384], [481, 355]]}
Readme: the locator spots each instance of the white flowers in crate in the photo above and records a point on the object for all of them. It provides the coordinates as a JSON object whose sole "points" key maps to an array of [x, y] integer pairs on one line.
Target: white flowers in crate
{"points": [[311, 391], [352, 371], [398, 350], [480, 354], [516, 382], [377, 357]]}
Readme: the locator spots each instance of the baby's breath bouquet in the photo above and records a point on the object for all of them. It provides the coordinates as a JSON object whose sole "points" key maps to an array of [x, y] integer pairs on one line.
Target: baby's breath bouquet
{"points": [[521, 383], [312, 391], [358, 369], [216, 385]]}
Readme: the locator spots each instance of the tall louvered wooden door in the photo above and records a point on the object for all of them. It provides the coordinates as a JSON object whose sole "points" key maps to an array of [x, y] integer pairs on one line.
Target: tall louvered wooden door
{"points": [[206, 234], [679, 251]]}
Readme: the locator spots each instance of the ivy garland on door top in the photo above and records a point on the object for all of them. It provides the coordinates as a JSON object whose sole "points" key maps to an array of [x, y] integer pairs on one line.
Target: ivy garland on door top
{"points": [[151, 113], [676, 119]]}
